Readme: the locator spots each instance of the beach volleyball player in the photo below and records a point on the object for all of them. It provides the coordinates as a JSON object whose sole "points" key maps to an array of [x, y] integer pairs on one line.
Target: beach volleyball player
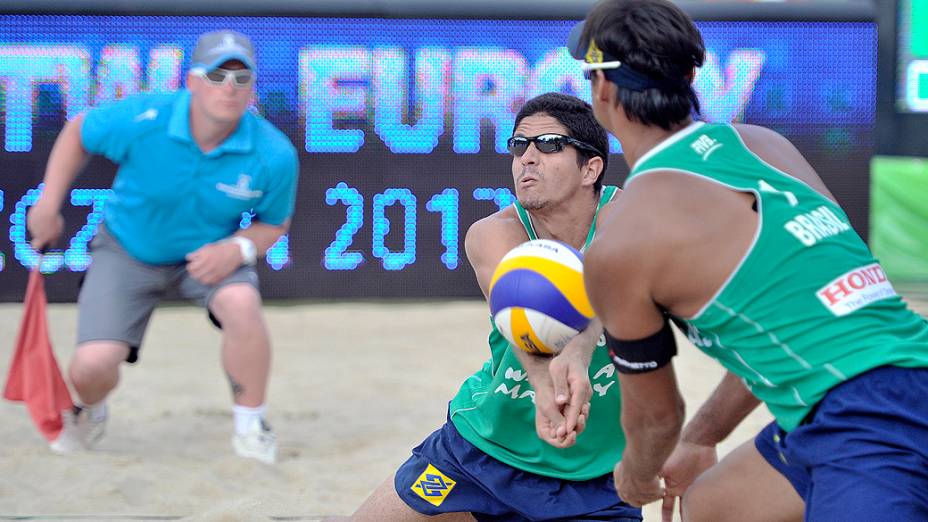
{"points": [[510, 449], [190, 163], [729, 230]]}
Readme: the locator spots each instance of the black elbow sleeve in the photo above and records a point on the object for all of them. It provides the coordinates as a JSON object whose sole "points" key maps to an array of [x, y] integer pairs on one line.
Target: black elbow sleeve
{"points": [[643, 355]]}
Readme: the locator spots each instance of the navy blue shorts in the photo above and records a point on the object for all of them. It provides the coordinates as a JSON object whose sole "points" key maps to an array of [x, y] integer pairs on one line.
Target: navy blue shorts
{"points": [[447, 474], [770, 443], [866, 448]]}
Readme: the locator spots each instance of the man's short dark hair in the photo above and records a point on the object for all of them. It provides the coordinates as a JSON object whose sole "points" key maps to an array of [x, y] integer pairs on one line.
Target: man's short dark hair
{"points": [[656, 38], [577, 117]]}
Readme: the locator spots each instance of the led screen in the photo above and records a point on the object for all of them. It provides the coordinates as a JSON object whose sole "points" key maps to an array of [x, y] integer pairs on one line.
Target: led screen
{"points": [[912, 34], [401, 127]]}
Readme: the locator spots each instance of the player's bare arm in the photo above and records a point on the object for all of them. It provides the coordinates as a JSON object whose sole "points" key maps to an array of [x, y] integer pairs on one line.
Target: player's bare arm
{"points": [[66, 160], [623, 289], [214, 262], [696, 452], [486, 242]]}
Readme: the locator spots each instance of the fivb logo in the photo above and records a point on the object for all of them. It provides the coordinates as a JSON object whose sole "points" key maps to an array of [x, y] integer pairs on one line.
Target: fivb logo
{"points": [[856, 289], [705, 146]]}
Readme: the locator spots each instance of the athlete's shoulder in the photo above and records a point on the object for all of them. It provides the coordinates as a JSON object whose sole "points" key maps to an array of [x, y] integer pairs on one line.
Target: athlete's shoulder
{"points": [[502, 226], [652, 216], [757, 135], [489, 239], [777, 152]]}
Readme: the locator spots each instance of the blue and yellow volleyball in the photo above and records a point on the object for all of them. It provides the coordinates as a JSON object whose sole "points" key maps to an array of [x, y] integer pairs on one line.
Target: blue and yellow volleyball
{"points": [[537, 297]]}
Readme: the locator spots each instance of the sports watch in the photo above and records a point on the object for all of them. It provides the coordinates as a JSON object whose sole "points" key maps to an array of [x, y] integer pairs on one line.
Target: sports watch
{"points": [[248, 249]]}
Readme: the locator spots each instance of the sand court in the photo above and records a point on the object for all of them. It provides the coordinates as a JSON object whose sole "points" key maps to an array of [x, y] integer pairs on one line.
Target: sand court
{"points": [[354, 386]]}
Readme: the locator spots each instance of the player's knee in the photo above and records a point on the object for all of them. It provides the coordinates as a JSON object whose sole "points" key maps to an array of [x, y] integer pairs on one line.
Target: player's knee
{"points": [[236, 305], [95, 362], [700, 505]]}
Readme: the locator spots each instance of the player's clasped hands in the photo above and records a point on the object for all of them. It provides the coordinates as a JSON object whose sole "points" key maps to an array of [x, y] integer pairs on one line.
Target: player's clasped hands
{"points": [[213, 262], [563, 406]]}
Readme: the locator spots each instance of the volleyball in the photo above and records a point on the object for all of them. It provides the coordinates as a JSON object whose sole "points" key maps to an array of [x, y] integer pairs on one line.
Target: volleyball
{"points": [[537, 298]]}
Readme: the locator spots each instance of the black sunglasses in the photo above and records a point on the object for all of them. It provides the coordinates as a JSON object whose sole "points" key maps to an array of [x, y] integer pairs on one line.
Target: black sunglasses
{"points": [[547, 144]]}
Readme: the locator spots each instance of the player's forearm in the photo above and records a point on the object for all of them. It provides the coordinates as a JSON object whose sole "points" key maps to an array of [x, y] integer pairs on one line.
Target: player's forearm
{"points": [[728, 405], [66, 160], [263, 235], [535, 366], [587, 339], [650, 439]]}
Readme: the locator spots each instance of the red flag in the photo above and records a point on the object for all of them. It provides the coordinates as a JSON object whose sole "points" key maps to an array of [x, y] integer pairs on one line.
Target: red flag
{"points": [[34, 376]]}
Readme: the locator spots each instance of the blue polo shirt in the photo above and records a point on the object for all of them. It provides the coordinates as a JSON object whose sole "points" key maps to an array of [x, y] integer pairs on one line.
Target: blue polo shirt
{"points": [[169, 198]]}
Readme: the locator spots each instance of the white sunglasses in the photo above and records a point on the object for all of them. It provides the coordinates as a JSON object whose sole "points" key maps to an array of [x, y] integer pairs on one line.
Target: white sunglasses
{"points": [[240, 78], [588, 68]]}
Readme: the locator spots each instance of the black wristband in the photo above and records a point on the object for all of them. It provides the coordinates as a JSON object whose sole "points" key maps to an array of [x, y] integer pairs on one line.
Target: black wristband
{"points": [[643, 355]]}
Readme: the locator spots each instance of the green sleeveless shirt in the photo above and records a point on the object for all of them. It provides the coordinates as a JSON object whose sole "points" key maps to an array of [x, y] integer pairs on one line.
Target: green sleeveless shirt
{"points": [[808, 307], [494, 409]]}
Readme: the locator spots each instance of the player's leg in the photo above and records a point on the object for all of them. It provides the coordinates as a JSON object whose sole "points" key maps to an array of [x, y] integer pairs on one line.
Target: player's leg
{"points": [[385, 504], [749, 485], [115, 304], [246, 344], [234, 305], [445, 479], [94, 369]]}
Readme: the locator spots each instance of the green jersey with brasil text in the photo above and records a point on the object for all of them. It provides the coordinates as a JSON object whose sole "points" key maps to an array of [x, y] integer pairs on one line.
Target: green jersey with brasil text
{"points": [[495, 408], [808, 307]]}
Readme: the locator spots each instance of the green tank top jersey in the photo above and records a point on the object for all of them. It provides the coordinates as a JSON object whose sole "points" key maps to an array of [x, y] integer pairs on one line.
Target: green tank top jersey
{"points": [[808, 307], [495, 411]]}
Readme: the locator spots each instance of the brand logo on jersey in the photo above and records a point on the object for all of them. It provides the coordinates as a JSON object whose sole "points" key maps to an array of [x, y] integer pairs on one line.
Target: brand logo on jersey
{"points": [[150, 114], [433, 486], [856, 289], [705, 146], [697, 338], [241, 188], [811, 227]]}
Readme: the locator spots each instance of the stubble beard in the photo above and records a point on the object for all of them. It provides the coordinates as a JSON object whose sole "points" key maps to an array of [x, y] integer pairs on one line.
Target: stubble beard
{"points": [[533, 204]]}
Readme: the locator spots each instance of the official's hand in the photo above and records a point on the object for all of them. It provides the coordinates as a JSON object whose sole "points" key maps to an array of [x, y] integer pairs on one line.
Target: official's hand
{"points": [[636, 491], [213, 262], [45, 224], [684, 465], [570, 376]]}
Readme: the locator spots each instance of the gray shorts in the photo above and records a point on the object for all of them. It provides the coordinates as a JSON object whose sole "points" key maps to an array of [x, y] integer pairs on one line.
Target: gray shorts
{"points": [[119, 293]]}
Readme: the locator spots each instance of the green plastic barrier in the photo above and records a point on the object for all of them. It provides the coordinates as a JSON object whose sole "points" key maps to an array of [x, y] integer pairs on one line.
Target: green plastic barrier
{"points": [[899, 216]]}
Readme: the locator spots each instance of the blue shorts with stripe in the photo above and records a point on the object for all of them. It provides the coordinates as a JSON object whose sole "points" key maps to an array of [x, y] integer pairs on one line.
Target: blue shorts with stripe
{"points": [[770, 443], [448, 474], [865, 447]]}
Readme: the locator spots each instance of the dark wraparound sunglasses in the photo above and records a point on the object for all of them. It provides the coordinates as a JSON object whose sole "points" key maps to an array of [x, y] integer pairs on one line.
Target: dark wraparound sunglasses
{"points": [[547, 144]]}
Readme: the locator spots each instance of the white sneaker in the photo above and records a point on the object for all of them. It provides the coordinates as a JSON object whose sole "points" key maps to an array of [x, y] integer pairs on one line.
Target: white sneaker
{"points": [[258, 443], [79, 432]]}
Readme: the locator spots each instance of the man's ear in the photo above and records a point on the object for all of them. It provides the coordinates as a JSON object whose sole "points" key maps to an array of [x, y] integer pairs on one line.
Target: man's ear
{"points": [[603, 89], [592, 170]]}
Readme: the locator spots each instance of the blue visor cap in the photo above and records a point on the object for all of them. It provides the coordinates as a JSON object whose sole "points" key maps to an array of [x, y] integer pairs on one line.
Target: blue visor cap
{"points": [[614, 69]]}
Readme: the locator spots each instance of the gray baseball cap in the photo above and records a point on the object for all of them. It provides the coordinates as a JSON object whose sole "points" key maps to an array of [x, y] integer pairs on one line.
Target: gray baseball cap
{"points": [[218, 47]]}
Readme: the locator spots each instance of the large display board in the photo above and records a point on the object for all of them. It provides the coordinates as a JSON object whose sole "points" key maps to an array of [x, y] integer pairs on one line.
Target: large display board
{"points": [[401, 126], [912, 52]]}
